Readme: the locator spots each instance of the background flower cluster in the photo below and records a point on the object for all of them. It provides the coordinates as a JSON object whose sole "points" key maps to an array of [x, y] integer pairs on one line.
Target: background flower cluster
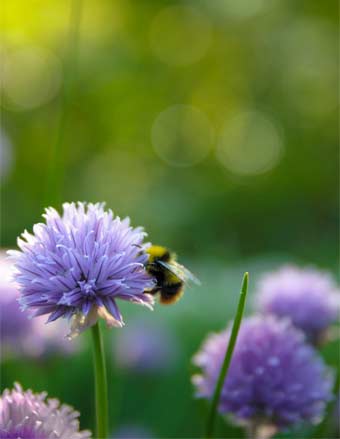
{"points": [[211, 123], [277, 379]]}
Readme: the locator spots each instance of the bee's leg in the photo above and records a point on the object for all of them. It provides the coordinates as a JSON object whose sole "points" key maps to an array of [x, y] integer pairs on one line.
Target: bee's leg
{"points": [[153, 291]]}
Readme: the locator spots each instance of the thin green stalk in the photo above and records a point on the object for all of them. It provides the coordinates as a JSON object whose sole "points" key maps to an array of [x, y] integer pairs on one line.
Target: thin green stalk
{"points": [[323, 430], [56, 167], [100, 383], [227, 358]]}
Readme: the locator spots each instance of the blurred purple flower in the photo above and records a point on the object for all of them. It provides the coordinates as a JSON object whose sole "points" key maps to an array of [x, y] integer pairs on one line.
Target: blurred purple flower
{"points": [[14, 324], [20, 335], [26, 415], [274, 375], [78, 264], [145, 347], [132, 432], [308, 297]]}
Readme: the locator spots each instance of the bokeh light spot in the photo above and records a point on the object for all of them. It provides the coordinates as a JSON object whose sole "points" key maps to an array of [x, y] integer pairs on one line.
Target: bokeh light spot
{"points": [[237, 10], [308, 47], [31, 77], [112, 170], [182, 135], [250, 144], [180, 35]]}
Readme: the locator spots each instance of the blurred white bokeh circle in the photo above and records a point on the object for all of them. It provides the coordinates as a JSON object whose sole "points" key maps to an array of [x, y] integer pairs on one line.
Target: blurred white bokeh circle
{"points": [[182, 135], [250, 144], [180, 35], [31, 77], [238, 10]]}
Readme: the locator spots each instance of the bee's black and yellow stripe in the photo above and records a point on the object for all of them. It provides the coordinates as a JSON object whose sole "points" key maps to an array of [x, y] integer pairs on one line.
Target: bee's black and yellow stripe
{"points": [[168, 285]]}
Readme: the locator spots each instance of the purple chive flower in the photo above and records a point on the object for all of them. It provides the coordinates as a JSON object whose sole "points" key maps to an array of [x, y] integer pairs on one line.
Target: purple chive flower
{"points": [[309, 298], [274, 376], [79, 264], [26, 415], [132, 432], [14, 324], [50, 339], [145, 347], [20, 335]]}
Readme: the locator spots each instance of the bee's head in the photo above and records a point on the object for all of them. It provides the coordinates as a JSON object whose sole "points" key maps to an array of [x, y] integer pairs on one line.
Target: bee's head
{"points": [[158, 253]]}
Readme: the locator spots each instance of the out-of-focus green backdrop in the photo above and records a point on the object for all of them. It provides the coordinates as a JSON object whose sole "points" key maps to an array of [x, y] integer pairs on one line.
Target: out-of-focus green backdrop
{"points": [[212, 123]]}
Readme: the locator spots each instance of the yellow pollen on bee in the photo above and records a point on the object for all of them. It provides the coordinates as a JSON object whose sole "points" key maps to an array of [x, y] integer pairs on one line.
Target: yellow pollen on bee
{"points": [[156, 251], [172, 278]]}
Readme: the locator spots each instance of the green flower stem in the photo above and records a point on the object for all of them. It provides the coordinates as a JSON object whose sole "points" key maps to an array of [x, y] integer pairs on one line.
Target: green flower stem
{"points": [[323, 430], [227, 358], [100, 383]]}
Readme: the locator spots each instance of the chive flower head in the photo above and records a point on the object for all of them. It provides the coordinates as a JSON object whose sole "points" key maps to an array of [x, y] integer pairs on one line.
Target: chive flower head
{"points": [[79, 264], [308, 297], [275, 377], [28, 415]]}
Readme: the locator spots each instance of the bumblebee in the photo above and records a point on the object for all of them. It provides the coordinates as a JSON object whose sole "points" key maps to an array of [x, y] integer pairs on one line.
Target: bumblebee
{"points": [[170, 276]]}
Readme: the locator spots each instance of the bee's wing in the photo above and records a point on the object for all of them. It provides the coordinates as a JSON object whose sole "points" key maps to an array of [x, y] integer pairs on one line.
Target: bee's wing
{"points": [[180, 271]]}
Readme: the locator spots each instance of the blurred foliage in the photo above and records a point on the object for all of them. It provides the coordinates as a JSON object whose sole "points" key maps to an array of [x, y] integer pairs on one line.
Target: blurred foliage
{"points": [[224, 206]]}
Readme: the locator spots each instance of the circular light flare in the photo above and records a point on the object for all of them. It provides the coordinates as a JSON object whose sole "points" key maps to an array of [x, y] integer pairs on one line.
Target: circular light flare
{"points": [[250, 144], [113, 169], [180, 35], [31, 77], [239, 10], [182, 135]]}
